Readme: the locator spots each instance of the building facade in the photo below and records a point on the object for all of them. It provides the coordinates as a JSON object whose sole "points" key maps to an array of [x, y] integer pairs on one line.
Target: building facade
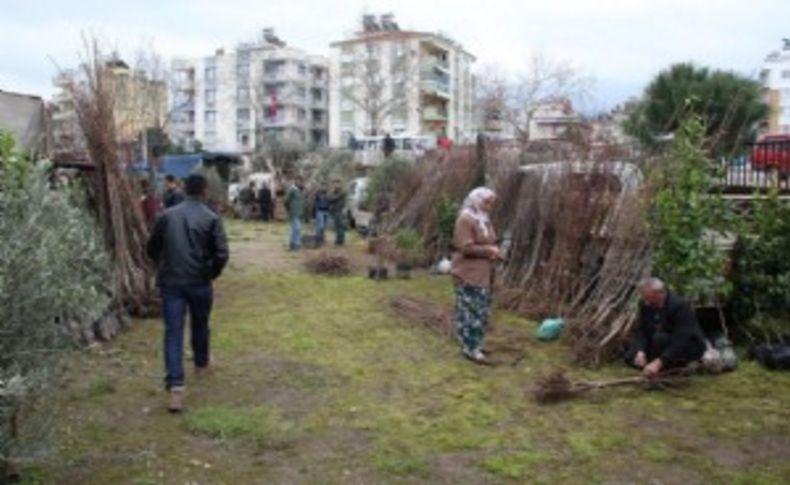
{"points": [[775, 77], [236, 101], [386, 80], [139, 103]]}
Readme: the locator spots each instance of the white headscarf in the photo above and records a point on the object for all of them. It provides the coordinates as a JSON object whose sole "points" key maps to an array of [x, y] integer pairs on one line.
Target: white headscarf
{"points": [[473, 207]]}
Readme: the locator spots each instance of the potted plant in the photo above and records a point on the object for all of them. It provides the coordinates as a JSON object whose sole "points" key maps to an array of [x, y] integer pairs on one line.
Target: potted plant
{"points": [[410, 251]]}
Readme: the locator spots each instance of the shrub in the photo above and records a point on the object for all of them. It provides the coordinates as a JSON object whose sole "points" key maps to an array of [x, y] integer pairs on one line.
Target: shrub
{"points": [[761, 269], [685, 218], [410, 245], [54, 274]]}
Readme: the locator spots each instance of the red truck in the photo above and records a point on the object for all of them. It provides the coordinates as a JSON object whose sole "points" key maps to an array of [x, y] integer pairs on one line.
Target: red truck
{"points": [[772, 152]]}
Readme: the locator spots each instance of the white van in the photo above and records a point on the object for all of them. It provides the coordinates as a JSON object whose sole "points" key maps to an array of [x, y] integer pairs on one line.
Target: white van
{"points": [[357, 217]]}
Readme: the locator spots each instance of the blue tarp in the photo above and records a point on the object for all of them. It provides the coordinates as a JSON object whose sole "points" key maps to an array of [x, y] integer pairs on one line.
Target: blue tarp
{"points": [[182, 165]]}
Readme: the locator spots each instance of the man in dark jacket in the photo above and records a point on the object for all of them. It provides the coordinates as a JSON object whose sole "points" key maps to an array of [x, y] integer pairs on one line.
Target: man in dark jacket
{"points": [[668, 334], [189, 245], [321, 208], [173, 195], [265, 202], [337, 204]]}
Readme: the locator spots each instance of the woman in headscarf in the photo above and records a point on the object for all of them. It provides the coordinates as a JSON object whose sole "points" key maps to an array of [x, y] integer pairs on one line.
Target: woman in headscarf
{"points": [[472, 266]]}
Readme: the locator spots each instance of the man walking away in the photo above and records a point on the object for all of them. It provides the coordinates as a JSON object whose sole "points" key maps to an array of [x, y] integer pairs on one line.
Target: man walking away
{"points": [[321, 205], [337, 203], [173, 195], [189, 245], [294, 204], [265, 203]]}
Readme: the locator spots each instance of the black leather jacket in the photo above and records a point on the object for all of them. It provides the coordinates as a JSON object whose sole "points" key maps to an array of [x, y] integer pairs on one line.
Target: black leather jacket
{"points": [[188, 243]]}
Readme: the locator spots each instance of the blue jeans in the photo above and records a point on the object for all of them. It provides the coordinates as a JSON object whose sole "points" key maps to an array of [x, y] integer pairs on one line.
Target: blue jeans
{"points": [[295, 242], [175, 301], [321, 221], [340, 228]]}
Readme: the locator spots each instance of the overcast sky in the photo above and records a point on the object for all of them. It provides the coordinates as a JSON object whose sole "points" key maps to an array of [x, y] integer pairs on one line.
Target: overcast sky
{"points": [[621, 44]]}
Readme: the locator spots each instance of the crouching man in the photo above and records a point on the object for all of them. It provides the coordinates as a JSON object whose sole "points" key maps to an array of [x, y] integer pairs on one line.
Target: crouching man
{"points": [[189, 245], [668, 335]]}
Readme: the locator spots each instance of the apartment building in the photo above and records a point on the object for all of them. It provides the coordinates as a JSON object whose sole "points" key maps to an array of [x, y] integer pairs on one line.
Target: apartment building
{"points": [[388, 80], [548, 121], [775, 77], [139, 102], [237, 100]]}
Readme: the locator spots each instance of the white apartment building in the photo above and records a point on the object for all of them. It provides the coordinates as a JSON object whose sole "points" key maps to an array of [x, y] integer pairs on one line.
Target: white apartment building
{"points": [[387, 80], [775, 77], [237, 100]]}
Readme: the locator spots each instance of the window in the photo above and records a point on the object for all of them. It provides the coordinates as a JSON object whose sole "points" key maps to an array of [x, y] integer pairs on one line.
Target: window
{"points": [[211, 97], [243, 137], [317, 95], [301, 114], [300, 93], [243, 114], [243, 95], [210, 116], [243, 71], [211, 74], [302, 70]]}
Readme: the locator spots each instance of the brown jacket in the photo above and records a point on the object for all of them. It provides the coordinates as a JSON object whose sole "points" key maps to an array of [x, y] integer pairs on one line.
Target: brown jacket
{"points": [[471, 261]]}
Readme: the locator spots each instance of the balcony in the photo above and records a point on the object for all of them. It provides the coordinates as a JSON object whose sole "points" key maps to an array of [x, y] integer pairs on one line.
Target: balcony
{"points": [[277, 121], [433, 113], [433, 63], [435, 87]]}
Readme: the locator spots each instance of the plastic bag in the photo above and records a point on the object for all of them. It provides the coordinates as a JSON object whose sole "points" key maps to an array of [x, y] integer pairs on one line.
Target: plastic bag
{"points": [[550, 329]]}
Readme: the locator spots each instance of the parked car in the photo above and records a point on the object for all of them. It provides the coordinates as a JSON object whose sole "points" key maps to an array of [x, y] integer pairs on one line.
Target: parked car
{"points": [[772, 152]]}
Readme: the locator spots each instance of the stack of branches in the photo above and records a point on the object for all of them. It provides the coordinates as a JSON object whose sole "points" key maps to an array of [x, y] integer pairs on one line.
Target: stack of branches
{"points": [[115, 201], [451, 174], [329, 264], [556, 386], [579, 244], [424, 313]]}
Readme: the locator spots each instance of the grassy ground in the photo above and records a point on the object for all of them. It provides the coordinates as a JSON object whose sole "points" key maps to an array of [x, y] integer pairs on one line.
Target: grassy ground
{"points": [[317, 382]]}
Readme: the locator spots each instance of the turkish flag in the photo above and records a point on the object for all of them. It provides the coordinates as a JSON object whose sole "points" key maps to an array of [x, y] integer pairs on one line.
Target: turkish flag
{"points": [[273, 106]]}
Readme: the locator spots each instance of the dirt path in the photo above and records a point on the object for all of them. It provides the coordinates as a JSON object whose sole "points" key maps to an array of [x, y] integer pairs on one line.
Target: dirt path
{"points": [[316, 382]]}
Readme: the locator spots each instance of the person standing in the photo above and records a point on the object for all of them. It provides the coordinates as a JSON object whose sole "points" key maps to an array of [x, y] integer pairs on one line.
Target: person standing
{"points": [[189, 245], [388, 146], [294, 204], [173, 195], [247, 199], [472, 267], [265, 203], [337, 203], [321, 205]]}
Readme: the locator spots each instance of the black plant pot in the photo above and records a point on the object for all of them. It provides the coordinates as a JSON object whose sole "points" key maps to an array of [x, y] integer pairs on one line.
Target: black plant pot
{"points": [[378, 272], [403, 270]]}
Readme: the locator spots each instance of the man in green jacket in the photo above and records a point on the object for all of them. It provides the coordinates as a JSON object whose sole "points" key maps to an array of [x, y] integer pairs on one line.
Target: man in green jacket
{"points": [[294, 204]]}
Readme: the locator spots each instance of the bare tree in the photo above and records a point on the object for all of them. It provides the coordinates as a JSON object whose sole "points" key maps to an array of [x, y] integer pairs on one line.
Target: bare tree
{"points": [[515, 101], [377, 89]]}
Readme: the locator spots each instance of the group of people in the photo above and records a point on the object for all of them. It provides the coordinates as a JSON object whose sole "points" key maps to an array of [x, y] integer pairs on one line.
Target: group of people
{"points": [[189, 245], [249, 198], [326, 204], [667, 335]]}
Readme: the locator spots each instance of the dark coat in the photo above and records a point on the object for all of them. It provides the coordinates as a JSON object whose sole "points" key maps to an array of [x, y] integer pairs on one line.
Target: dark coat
{"points": [[189, 244], [675, 320]]}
